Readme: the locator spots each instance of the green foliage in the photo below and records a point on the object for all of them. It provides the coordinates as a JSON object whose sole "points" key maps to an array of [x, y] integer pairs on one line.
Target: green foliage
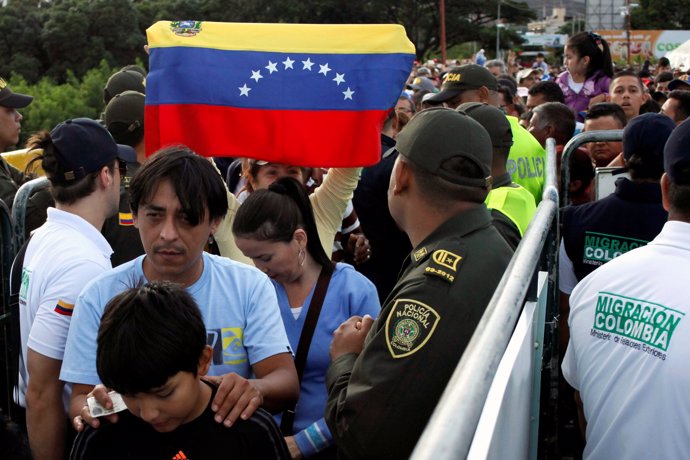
{"points": [[653, 15], [56, 102]]}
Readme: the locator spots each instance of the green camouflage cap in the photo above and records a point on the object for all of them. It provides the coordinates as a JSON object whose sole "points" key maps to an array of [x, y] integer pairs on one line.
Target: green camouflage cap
{"points": [[492, 119], [121, 81], [438, 134]]}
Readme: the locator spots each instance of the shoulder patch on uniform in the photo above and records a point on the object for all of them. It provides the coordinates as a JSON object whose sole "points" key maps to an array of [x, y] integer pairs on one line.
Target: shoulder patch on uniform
{"points": [[419, 253], [409, 327], [443, 264]]}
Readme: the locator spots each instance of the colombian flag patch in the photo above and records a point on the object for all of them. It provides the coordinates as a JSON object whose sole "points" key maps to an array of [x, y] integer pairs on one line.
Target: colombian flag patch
{"points": [[126, 219], [64, 308]]}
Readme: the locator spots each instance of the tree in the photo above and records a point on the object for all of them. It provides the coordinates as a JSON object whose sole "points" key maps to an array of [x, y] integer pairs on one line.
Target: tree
{"points": [[77, 34], [669, 14], [21, 49]]}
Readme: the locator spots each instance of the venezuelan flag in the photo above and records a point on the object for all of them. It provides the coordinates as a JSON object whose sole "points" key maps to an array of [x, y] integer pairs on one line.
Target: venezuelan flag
{"points": [[303, 94]]}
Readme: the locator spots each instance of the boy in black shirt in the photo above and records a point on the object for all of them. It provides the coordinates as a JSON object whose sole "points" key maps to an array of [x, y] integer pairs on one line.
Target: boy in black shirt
{"points": [[152, 350]]}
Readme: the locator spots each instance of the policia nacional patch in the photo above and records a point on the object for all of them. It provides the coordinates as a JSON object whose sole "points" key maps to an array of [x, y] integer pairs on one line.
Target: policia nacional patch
{"points": [[409, 326]]}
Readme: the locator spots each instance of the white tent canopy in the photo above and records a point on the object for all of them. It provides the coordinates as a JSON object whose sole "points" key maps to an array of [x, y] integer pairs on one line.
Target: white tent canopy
{"points": [[680, 57]]}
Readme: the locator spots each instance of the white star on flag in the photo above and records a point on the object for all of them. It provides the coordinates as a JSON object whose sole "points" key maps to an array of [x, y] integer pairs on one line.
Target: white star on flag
{"points": [[339, 78], [288, 63], [307, 64], [244, 90], [324, 69], [348, 93], [271, 67], [256, 75]]}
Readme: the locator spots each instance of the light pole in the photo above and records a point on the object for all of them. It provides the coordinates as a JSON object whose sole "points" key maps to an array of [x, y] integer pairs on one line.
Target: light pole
{"points": [[498, 30], [625, 12], [442, 11]]}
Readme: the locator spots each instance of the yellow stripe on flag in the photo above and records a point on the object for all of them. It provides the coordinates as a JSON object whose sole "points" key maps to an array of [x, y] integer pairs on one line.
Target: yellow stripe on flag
{"points": [[286, 38]]}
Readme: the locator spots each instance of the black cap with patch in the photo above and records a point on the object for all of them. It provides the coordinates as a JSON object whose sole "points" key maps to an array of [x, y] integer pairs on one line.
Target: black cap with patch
{"points": [[438, 134], [469, 76]]}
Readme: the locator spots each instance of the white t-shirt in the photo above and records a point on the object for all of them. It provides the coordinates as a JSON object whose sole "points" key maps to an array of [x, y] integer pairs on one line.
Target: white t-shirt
{"points": [[238, 304], [576, 87], [62, 256], [629, 351]]}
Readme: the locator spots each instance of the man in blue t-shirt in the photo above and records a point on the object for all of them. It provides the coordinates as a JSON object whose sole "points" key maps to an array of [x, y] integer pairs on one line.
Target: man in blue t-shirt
{"points": [[178, 200]]}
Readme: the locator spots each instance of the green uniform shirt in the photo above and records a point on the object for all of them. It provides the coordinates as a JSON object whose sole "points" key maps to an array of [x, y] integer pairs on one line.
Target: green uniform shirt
{"points": [[515, 202], [380, 401], [526, 160]]}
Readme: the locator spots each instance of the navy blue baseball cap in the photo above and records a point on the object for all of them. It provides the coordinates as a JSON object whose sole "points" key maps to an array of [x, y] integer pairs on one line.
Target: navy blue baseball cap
{"points": [[646, 135], [83, 146], [677, 155]]}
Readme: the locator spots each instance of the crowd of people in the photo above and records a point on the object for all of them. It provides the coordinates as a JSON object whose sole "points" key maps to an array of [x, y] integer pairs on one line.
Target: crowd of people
{"points": [[212, 293]]}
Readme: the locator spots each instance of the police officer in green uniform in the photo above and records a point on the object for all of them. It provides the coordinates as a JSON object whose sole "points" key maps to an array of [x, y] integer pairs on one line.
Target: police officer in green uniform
{"points": [[386, 376], [512, 206], [527, 158]]}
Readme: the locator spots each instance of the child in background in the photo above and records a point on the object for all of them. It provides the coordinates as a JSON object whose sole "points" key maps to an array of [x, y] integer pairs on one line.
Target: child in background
{"points": [[589, 71]]}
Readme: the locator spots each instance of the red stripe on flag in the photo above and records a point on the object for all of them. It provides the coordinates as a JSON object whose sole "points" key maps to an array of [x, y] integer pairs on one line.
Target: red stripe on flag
{"points": [[297, 137]]}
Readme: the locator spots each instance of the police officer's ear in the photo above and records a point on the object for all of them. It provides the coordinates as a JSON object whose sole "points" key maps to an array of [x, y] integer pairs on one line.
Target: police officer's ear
{"points": [[401, 176]]}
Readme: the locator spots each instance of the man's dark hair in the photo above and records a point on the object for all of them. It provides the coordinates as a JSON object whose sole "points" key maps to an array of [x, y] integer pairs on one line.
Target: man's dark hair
{"points": [[559, 117], [442, 194], [629, 73], [197, 183], [650, 106], [663, 61], [664, 76], [540, 55], [607, 109], [679, 196], [549, 89], [275, 214], [683, 98], [63, 191], [147, 335]]}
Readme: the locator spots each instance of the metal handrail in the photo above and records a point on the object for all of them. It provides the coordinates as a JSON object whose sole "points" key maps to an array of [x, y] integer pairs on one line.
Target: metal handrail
{"points": [[613, 135], [453, 423], [6, 258]]}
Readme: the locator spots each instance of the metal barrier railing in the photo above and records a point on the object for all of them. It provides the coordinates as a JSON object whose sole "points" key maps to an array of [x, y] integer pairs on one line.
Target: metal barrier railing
{"points": [[452, 426], [614, 135], [7, 252]]}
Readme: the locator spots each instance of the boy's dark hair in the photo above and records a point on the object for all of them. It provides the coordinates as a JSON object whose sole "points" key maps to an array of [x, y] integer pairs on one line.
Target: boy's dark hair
{"points": [[607, 109], [147, 335], [275, 214], [197, 183], [551, 91], [593, 45], [629, 73], [63, 191]]}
